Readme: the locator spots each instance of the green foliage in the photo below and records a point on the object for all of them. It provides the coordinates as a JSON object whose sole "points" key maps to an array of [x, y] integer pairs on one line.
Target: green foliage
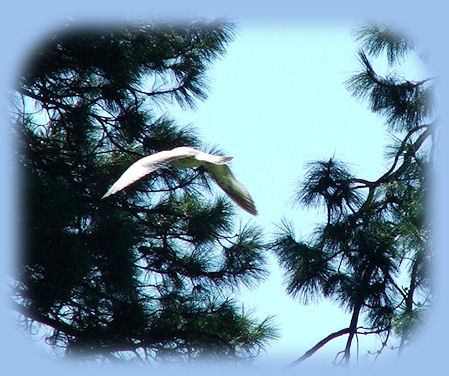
{"points": [[148, 273], [405, 104], [330, 183], [376, 38], [306, 266], [371, 254]]}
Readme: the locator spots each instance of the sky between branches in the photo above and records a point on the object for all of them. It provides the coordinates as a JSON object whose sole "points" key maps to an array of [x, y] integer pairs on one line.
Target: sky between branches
{"points": [[278, 100]]}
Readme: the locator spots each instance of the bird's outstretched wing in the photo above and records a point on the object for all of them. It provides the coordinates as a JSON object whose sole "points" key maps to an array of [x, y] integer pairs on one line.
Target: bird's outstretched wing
{"points": [[146, 166], [185, 157], [182, 157], [224, 177]]}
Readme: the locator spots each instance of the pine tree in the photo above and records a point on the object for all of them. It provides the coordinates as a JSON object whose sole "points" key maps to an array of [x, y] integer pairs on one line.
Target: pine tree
{"points": [[148, 274], [371, 254]]}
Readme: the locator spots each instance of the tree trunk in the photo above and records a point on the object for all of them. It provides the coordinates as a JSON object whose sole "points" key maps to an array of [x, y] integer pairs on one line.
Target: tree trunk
{"points": [[352, 330], [356, 312]]}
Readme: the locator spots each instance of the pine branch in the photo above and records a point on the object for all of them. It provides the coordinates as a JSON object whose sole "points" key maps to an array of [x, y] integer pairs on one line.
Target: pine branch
{"points": [[320, 344], [377, 38], [43, 319], [393, 172]]}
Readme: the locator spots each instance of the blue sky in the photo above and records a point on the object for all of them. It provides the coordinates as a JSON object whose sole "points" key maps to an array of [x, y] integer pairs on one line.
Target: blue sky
{"points": [[277, 100]]}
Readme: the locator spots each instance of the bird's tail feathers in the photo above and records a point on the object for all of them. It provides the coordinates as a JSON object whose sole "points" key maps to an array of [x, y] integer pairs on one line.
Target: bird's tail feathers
{"points": [[223, 160]]}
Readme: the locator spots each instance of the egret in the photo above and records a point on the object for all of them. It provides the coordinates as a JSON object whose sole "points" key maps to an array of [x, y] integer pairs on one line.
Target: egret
{"points": [[187, 157]]}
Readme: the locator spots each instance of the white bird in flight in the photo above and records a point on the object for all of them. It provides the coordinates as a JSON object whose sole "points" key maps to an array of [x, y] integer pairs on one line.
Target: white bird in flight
{"points": [[187, 157]]}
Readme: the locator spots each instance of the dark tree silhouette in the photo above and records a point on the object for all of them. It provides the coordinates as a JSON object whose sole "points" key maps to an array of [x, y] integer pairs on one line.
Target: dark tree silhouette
{"points": [[371, 254], [149, 273]]}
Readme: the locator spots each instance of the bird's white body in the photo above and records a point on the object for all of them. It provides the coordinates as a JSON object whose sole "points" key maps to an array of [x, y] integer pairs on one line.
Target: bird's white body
{"points": [[187, 157]]}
